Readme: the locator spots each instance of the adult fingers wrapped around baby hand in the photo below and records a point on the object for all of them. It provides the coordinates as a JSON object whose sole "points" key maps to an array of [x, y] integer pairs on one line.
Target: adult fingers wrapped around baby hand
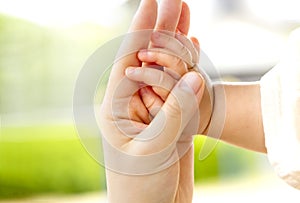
{"points": [[154, 147]]}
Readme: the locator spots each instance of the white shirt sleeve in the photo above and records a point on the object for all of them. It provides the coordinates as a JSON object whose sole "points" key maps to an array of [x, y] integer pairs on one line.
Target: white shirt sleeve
{"points": [[280, 101]]}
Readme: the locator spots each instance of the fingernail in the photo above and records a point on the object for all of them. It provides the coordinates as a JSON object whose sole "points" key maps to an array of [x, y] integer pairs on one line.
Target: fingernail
{"points": [[129, 70], [191, 81], [142, 53], [133, 71]]}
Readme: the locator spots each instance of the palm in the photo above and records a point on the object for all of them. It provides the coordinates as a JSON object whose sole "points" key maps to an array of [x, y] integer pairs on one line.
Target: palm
{"points": [[175, 178]]}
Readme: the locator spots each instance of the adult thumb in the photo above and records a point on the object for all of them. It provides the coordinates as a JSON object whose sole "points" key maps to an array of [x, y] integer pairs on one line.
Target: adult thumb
{"points": [[168, 125]]}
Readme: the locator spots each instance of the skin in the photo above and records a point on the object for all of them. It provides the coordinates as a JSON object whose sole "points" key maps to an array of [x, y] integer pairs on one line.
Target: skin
{"points": [[176, 181], [243, 126], [243, 123]]}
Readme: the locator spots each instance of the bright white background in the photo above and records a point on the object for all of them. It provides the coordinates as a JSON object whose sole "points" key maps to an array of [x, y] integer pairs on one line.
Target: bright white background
{"points": [[238, 35]]}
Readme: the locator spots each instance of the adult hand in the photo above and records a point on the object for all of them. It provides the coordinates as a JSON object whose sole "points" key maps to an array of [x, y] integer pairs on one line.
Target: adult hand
{"points": [[143, 160], [151, 163]]}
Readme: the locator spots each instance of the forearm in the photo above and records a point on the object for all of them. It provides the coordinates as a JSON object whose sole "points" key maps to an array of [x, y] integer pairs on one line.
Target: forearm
{"points": [[243, 120]]}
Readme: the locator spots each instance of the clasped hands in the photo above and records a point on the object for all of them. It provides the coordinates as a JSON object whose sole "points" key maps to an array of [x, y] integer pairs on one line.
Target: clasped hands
{"points": [[149, 115], [153, 110]]}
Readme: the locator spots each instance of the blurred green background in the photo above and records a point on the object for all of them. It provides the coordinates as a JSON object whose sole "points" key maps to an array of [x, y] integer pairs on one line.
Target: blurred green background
{"points": [[40, 151]]}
